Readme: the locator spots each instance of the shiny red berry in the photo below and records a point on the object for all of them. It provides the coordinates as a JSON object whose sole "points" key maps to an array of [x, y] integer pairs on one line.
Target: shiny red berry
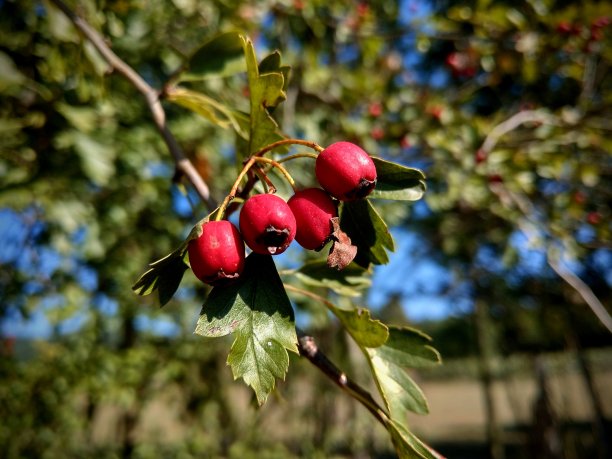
{"points": [[217, 255], [313, 209], [267, 224], [345, 171]]}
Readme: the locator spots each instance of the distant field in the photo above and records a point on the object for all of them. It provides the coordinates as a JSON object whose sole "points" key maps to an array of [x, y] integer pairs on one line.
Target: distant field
{"points": [[457, 414]]}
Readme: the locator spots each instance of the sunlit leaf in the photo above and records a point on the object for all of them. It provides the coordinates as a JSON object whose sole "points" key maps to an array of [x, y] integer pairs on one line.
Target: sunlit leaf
{"points": [[257, 310], [266, 92], [405, 348], [407, 445], [366, 332], [209, 108], [398, 182]]}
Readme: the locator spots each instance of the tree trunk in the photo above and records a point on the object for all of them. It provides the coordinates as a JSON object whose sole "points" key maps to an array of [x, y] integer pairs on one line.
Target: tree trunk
{"points": [[486, 351]]}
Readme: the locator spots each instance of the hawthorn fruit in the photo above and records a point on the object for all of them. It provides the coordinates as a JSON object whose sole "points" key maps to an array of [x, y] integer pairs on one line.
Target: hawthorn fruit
{"points": [[217, 255], [267, 224], [345, 171], [313, 209]]}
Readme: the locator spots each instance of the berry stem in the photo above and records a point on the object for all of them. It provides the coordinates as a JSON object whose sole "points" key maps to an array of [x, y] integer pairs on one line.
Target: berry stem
{"points": [[261, 174], [279, 167], [280, 143], [298, 155], [234, 190]]}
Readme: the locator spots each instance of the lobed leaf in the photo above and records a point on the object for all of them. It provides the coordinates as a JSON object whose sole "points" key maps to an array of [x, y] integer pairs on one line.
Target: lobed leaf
{"points": [[257, 310], [405, 348], [407, 445], [266, 92], [398, 182], [348, 282], [366, 332], [367, 231]]}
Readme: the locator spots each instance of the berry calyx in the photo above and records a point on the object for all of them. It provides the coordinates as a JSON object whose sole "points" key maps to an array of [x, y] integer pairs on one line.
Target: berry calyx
{"points": [[267, 224], [217, 255], [345, 171], [313, 209]]}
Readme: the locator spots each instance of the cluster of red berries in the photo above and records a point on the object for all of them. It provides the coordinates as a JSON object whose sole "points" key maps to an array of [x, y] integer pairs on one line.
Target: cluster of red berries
{"points": [[268, 224]]}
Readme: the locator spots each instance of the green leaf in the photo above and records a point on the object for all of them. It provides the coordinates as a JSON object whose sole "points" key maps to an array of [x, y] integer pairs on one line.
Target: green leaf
{"points": [[407, 445], [266, 92], [9, 73], [368, 231], [257, 310], [97, 158], [348, 282], [405, 348], [398, 182], [209, 108], [164, 275], [366, 332], [220, 56], [272, 63]]}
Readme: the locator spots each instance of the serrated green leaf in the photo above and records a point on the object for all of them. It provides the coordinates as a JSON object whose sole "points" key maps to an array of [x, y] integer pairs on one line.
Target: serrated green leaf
{"points": [[366, 332], [257, 310], [272, 63], [266, 92], [348, 282], [209, 108], [368, 231], [398, 182], [220, 56], [407, 445], [164, 275], [405, 348]]}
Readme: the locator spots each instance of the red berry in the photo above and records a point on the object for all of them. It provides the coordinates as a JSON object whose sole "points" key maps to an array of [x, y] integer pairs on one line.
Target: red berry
{"points": [[267, 224], [313, 209], [601, 21], [594, 218], [217, 255], [346, 171], [495, 178], [564, 27], [481, 156], [375, 109], [377, 133]]}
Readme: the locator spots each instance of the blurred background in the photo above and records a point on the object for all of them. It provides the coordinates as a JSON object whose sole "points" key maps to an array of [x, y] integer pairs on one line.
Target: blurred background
{"points": [[506, 262]]}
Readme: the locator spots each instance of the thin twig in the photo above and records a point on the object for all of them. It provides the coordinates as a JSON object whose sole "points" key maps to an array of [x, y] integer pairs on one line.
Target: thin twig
{"points": [[583, 290], [531, 223], [151, 96], [526, 116]]}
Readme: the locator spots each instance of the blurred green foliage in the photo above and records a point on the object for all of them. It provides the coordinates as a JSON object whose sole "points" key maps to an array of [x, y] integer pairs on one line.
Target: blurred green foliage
{"points": [[91, 180]]}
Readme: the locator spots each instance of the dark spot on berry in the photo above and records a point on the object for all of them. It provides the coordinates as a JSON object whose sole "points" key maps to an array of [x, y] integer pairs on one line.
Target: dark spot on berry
{"points": [[363, 189], [274, 238]]}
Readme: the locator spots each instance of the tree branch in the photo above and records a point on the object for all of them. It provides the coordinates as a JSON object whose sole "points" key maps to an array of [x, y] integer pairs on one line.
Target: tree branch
{"points": [[526, 116], [309, 349], [583, 290], [526, 207], [151, 96]]}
